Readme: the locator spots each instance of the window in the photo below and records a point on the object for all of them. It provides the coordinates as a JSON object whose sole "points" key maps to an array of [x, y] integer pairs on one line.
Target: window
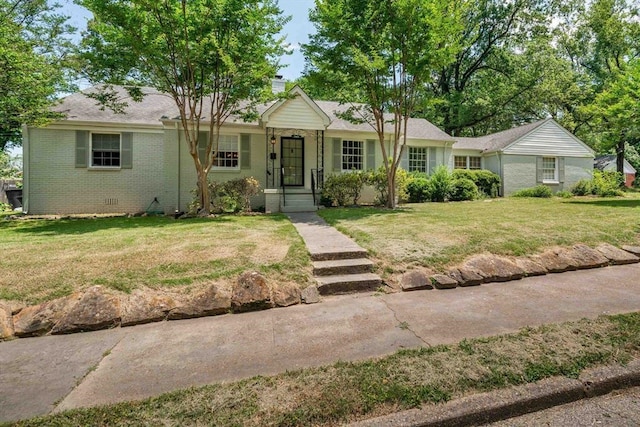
{"points": [[352, 155], [549, 170], [105, 150], [228, 155], [418, 159], [467, 162]]}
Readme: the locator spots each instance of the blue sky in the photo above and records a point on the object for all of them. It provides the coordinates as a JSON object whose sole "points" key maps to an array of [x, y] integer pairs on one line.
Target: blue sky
{"points": [[296, 31]]}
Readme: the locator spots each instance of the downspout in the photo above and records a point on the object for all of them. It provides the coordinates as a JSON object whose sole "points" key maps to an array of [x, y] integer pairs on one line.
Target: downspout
{"points": [[499, 155], [26, 169]]}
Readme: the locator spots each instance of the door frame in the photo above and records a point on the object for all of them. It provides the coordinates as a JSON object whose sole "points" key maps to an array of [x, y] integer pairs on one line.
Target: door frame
{"points": [[296, 138]]}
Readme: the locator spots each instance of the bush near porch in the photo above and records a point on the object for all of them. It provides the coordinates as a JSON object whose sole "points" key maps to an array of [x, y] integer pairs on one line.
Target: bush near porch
{"points": [[46, 259], [438, 235]]}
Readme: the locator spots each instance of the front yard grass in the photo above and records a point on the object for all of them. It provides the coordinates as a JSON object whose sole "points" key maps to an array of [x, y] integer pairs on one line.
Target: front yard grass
{"points": [[45, 259], [345, 392], [438, 235]]}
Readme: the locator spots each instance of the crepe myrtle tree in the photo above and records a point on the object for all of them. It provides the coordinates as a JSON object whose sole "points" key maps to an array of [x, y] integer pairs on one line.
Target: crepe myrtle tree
{"points": [[381, 53], [213, 57]]}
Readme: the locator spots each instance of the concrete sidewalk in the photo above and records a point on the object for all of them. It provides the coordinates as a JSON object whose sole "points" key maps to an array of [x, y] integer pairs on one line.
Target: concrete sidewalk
{"points": [[39, 375]]}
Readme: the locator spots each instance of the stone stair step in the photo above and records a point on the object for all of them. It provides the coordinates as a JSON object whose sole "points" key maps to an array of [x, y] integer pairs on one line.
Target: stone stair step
{"points": [[342, 266], [328, 255], [346, 283]]}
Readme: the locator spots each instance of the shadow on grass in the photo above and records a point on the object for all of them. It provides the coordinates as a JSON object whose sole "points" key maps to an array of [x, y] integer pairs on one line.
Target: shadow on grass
{"points": [[91, 225], [613, 203], [333, 215]]}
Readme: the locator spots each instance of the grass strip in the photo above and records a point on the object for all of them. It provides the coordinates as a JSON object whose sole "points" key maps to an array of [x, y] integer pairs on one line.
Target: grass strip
{"points": [[350, 391]]}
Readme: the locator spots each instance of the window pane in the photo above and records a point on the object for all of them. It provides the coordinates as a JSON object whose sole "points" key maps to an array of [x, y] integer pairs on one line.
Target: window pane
{"points": [[549, 168], [352, 155], [475, 162], [418, 159], [460, 162], [227, 156], [105, 149]]}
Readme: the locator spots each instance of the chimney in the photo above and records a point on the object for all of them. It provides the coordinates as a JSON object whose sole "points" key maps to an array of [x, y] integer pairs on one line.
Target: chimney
{"points": [[277, 84]]}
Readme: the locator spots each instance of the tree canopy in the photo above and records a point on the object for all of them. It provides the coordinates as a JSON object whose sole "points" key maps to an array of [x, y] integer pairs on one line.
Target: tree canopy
{"points": [[215, 58]]}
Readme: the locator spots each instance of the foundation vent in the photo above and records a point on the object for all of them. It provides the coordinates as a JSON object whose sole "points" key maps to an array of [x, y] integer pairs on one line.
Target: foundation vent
{"points": [[111, 202]]}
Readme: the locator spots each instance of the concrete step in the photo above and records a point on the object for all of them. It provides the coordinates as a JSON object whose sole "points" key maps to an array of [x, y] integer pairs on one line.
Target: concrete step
{"points": [[346, 283], [342, 266], [328, 255], [298, 208]]}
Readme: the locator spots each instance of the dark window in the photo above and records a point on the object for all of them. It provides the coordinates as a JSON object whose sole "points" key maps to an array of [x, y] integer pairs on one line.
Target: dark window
{"points": [[105, 150]]}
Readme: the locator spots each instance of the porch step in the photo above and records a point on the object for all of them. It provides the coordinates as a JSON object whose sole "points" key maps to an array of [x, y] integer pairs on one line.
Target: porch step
{"points": [[299, 201], [342, 266], [302, 208], [346, 283]]}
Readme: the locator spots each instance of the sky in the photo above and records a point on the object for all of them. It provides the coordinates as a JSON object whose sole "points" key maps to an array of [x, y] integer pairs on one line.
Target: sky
{"points": [[296, 31]]}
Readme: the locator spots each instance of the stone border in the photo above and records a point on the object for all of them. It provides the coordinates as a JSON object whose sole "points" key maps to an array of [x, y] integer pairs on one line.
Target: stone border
{"points": [[99, 308], [483, 408], [488, 268]]}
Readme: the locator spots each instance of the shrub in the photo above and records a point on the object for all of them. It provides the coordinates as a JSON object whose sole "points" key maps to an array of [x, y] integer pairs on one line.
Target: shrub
{"points": [[463, 189], [607, 183], [418, 190], [487, 182], [229, 196], [377, 178], [581, 188], [538, 191], [343, 188], [440, 184], [564, 194]]}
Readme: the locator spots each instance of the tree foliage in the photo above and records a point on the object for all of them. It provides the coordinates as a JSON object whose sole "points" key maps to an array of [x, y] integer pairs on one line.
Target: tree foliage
{"points": [[381, 53], [35, 63], [215, 58]]}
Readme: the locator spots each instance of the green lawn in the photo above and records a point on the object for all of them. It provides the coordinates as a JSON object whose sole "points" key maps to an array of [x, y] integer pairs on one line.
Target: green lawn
{"points": [[437, 235], [344, 392], [45, 259]]}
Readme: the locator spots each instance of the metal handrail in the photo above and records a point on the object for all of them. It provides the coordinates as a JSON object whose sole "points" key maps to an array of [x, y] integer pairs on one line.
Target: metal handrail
{"points": [[313, 185], [284, 200]]}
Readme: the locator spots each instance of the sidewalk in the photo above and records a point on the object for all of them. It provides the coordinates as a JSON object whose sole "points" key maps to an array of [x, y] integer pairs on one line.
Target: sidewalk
{"points": [[39, 375]]}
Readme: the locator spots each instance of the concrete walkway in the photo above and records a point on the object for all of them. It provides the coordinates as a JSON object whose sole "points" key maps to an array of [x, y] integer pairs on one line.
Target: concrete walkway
{"points": [[320, 237], [39, 375]]}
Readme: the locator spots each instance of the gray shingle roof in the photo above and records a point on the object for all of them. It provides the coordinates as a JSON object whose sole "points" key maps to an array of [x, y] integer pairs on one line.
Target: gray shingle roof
{"points": [[155, 105], [602, 162], [496, 141]]}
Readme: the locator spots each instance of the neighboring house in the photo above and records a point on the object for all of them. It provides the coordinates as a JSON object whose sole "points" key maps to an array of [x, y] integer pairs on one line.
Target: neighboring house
{"points": [[538, 153], [608, 163], [96, 161]]}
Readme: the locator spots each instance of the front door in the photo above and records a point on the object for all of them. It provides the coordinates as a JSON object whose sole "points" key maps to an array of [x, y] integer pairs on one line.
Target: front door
{"points": [[293, 161]]}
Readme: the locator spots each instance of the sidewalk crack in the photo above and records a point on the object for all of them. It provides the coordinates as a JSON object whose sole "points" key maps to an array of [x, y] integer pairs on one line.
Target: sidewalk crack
{"points": [[404, 324]]}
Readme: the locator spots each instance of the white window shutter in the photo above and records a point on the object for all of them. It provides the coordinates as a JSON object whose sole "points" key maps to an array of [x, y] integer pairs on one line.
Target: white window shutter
{"points": [[82, 148], [561, 169], [126, 157], [337, 154], [539, 174], [371, 154], [245, 151]]}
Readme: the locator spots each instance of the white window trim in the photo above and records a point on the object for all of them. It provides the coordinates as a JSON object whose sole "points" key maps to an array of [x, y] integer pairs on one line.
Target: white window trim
{"points": [[363, 156], [556, 178], [91, 165], [467, 162], [230, 168]]}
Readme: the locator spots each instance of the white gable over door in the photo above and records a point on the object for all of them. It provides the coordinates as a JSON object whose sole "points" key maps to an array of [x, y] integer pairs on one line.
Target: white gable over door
{"points": [[549, 139], [297, 112]]}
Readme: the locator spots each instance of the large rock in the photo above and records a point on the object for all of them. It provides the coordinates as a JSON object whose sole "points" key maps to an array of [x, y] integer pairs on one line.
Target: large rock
{"points": [[635, 250], [494, 268], [250, 293], [6, 322], [286, 294], [465, 276], [617, 256], [210, 302], [440, 281], [14, 306], [531, 267], [310, 295], [586, 257], [145, 307], [95, 310], [416, 280], [555, 261], [40, 319]]}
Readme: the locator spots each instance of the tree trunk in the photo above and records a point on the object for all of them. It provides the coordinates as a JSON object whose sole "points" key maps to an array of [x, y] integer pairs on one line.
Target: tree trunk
{"points": [[391, 188], [620, 157], [203, 193]]}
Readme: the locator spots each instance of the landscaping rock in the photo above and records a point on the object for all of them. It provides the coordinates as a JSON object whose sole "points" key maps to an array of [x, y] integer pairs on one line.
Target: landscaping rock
{"points": [[586, 257], [6, 322], [286, 294], [145, 307], [531, 267], [554, 262], [40, 319], [635, 250], [465, 276], [250, 293], [14, 306], [310, 295], [494, 268], [440, 281], [617, 256], [211, 302], [416, 280], [95, 310]]}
